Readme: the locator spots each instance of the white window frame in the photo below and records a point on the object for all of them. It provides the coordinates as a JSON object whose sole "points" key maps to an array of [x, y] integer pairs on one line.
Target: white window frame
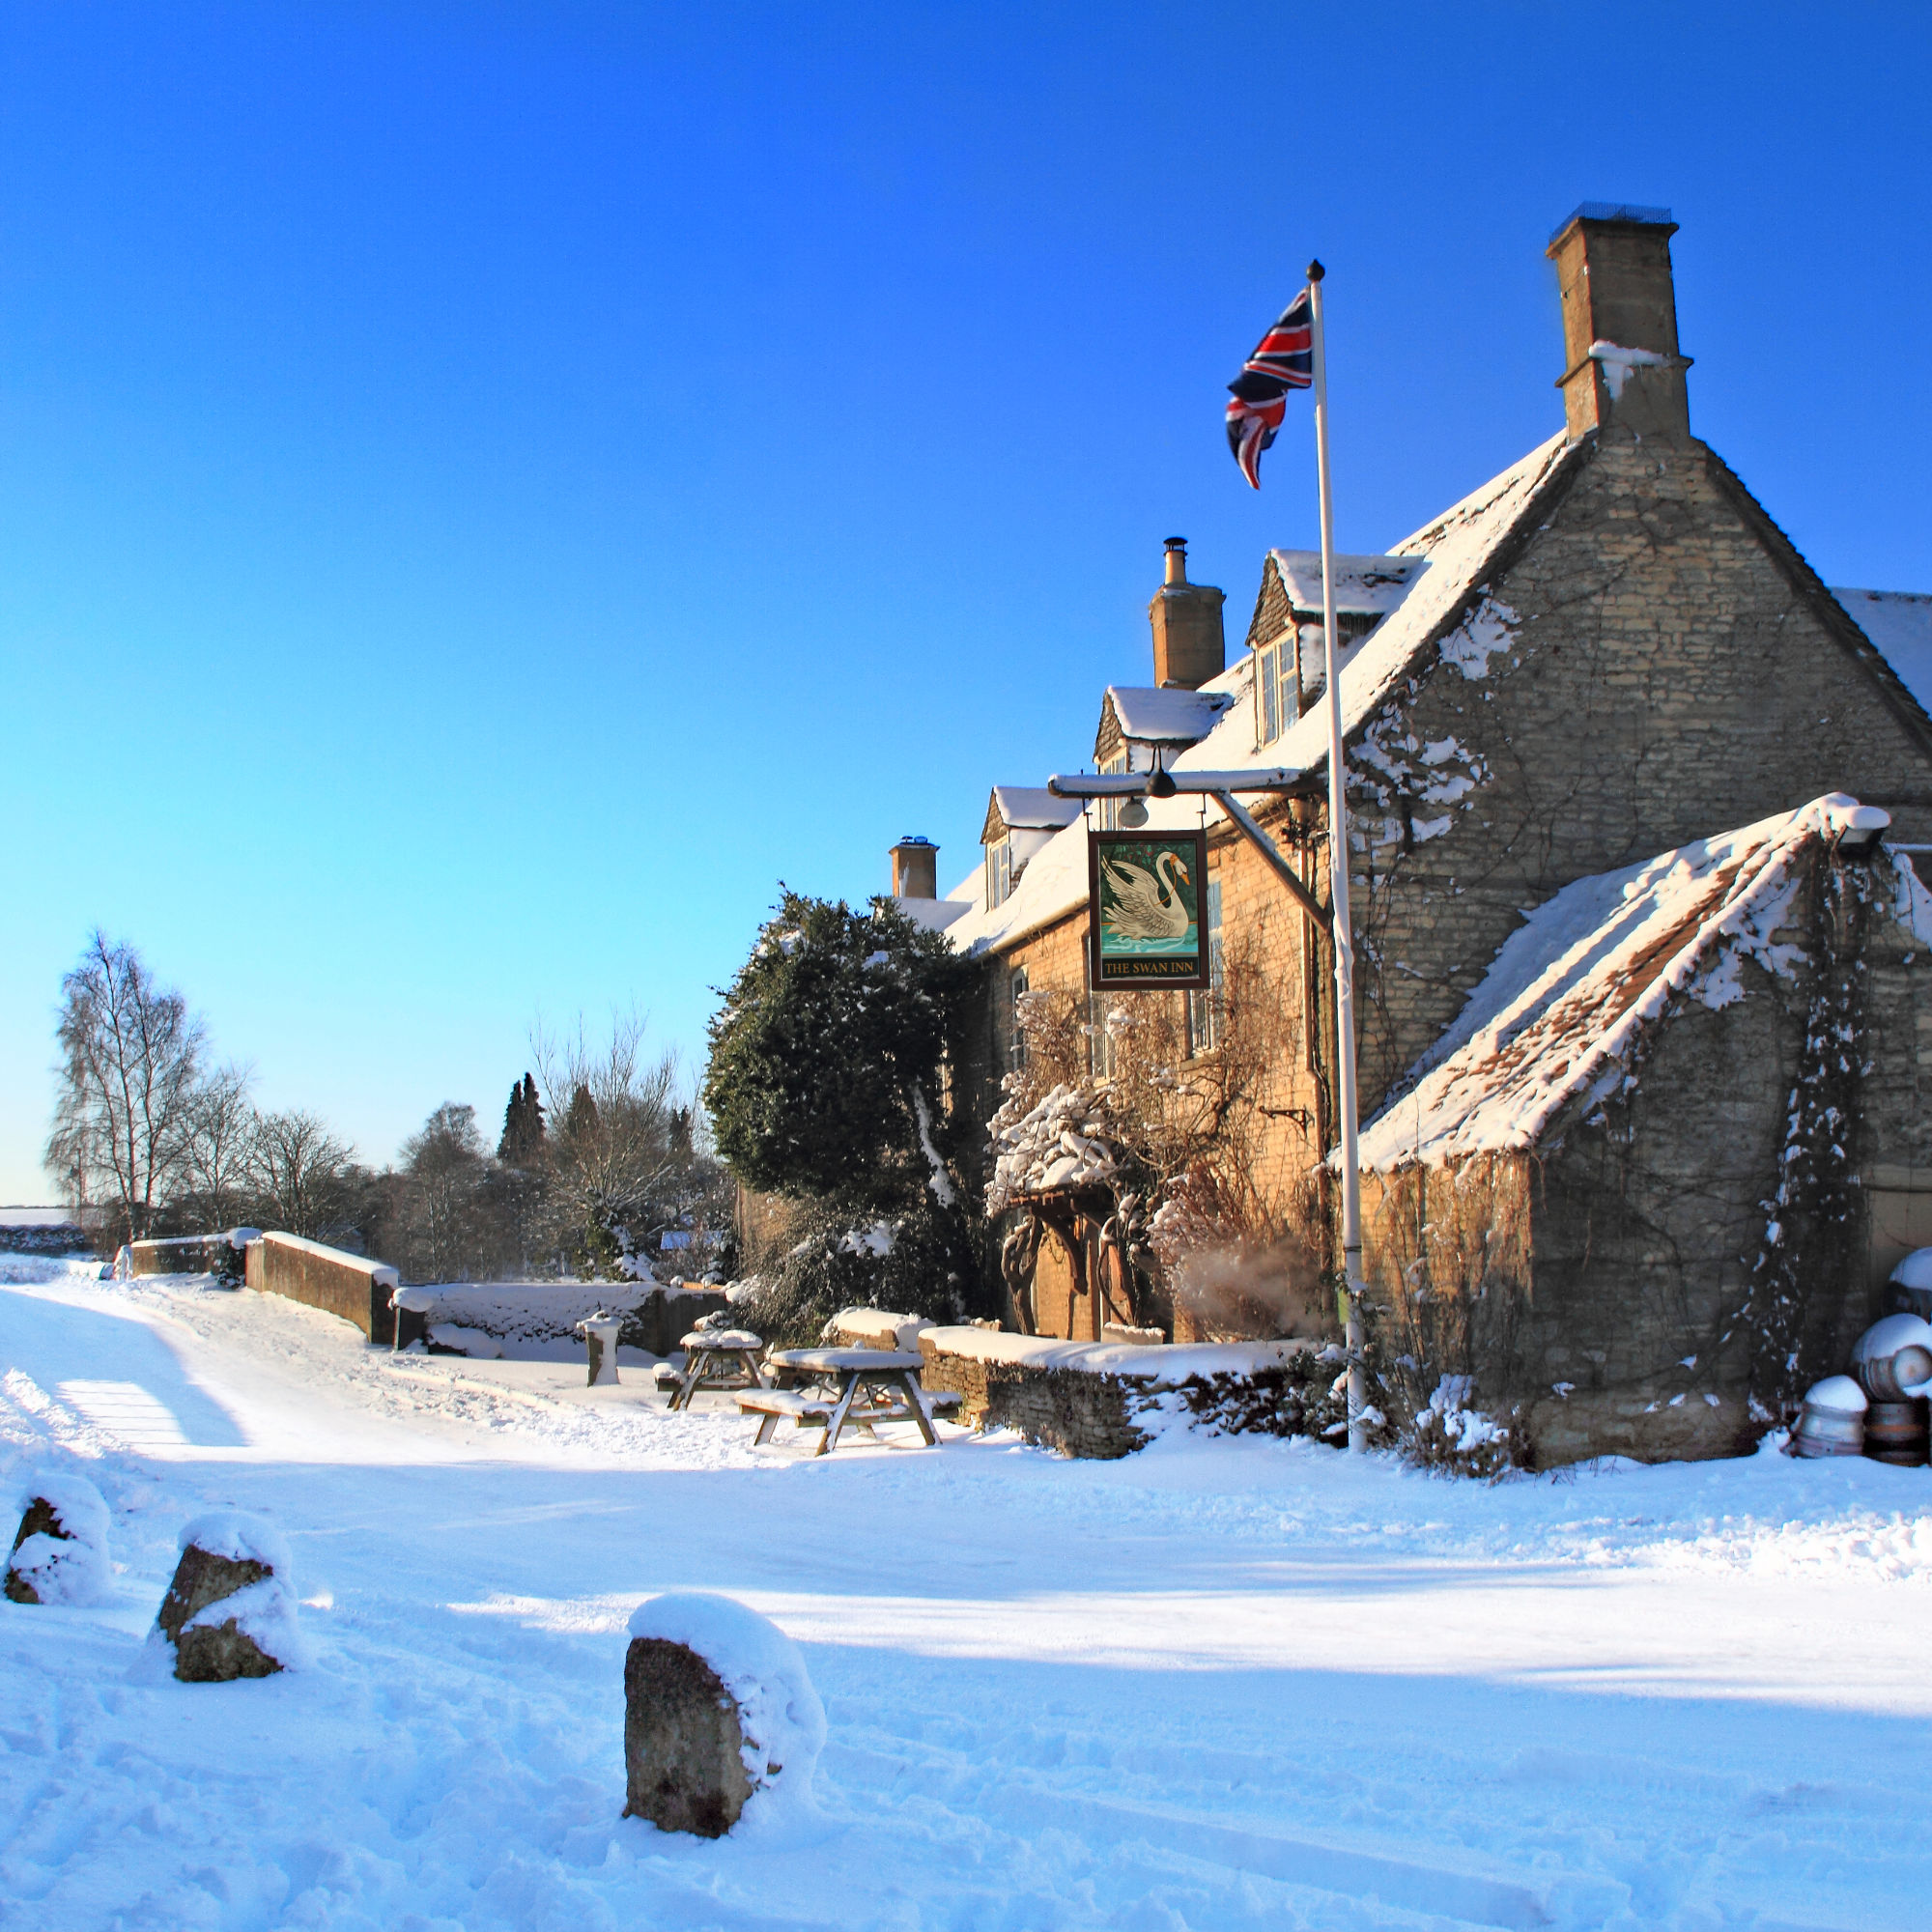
{"points": [[999, 872], [1207, 1006]]}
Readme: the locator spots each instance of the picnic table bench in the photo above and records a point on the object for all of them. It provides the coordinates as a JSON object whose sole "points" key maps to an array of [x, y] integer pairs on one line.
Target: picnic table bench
{"points": [[830, 1389], [719, 1358]]}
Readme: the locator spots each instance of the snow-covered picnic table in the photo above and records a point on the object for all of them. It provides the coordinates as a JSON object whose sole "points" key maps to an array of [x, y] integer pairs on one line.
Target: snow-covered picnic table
{"points": [[826, 1388], [720, 1358]]}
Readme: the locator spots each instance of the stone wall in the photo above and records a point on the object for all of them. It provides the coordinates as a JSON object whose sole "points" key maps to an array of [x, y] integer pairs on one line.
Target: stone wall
{"points": [[346, 1285], [186, 1254], [1599, 1289], [1668, 669], [1078, 1413]]}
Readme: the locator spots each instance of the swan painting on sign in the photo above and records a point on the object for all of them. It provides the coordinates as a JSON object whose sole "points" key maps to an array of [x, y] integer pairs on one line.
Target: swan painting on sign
{"points": [[1145, 894]]}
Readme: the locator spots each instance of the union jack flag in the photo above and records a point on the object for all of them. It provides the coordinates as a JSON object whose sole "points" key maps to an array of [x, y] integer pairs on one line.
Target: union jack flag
{"points": [[1283, 360]]}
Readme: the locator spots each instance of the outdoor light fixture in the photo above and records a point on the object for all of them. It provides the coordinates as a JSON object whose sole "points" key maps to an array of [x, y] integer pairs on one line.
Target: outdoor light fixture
{"points": [[1133, 813], [1160, 784]]}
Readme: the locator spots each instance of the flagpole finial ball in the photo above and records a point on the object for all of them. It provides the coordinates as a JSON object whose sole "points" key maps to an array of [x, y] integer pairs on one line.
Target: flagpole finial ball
{"points": [[1315, 271]]}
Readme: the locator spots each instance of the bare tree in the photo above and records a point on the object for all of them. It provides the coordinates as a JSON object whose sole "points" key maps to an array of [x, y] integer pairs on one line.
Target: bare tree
{"points": [[300, 1169], [618, 1141], [446, 1213], [215, 1149], [130, 1063]]}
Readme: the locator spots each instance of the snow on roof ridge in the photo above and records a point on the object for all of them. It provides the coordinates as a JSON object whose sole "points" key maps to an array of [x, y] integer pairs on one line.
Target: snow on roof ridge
{"points": [[1571, 989], [1458, 546]]}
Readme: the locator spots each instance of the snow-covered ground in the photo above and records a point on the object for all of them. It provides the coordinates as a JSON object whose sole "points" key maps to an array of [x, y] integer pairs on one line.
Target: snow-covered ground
{"points": [[1215, 1686]]}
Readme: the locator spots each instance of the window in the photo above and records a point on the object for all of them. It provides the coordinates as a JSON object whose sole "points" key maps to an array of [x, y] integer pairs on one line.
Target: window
{"points": [[1099, 1042], [999, 872], [1275, 696], [1016, 986], [1110, 808], [1278, 704], [1207, 1007]]}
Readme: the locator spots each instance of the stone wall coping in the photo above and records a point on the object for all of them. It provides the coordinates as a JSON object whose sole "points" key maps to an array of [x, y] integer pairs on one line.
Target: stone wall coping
{"points": [[451, 1299], [377, 1271], [1164, 1365]]}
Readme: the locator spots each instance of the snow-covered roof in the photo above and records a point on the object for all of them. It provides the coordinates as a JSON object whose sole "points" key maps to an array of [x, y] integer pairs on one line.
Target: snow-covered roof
{"points": [[1572, 990], [934, 915], [1028, 806], [1460, 547], [1364, 586], [1152, 715], [1899, 622]]}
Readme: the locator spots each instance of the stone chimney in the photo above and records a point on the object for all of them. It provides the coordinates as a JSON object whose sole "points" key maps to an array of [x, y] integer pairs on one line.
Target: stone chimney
{"points": [[1621, 365], [1188, 647], [914, 869]]}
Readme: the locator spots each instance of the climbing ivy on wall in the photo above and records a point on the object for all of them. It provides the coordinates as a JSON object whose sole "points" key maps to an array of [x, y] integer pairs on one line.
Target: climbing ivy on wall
{"points": [[1809, 1251]]}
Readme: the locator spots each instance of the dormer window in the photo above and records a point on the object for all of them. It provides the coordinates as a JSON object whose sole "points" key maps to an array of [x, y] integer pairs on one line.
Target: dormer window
{"points": [[1021, 820], [1290, 670]]}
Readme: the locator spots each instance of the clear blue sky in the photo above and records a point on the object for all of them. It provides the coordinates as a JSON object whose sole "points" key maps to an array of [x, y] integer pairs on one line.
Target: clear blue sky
{"points": [[487, 491]]}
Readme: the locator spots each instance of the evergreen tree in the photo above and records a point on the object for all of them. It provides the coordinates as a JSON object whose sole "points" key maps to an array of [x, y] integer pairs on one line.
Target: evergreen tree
{"points": [[524, 1135], [823, 1080]]}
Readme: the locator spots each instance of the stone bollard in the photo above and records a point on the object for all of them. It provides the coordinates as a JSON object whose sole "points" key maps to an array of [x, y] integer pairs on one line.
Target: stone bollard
{"points": [[60, 1550], [599, 1331], [229, 1611], [719, 1715]]}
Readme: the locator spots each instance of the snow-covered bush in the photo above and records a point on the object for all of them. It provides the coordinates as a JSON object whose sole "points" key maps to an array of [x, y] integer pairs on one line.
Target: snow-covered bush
{"points": [[1449, 1434], [63, 1559]]}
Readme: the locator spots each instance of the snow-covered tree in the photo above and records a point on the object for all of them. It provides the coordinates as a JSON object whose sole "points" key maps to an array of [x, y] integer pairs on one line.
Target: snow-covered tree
{"points": [[827, 1068], [826, 1057]]}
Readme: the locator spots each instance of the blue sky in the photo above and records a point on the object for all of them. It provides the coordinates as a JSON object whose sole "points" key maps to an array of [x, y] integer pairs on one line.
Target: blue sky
{"points": [[487, 491]]}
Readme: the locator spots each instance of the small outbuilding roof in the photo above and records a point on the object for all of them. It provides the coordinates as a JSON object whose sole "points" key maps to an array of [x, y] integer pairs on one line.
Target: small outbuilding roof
{"points": [[1571, 992]]}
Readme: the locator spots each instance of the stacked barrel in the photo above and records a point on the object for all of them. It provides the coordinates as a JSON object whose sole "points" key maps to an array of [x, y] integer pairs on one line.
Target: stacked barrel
{"points": [[1893, 1363], [1880, 1409]]}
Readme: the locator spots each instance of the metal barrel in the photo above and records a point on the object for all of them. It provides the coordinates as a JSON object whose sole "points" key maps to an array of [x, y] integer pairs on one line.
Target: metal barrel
{"points": [[1828, 1431], [1896, 1431], [1887, 1378]]}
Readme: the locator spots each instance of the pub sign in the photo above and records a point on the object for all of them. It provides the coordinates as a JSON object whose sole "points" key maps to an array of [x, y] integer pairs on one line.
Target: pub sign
{"points": [[1145, 894]]}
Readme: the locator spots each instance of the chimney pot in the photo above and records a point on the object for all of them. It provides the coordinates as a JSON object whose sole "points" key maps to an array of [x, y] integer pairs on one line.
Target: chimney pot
{"points": [[914, 869], [1189, 644], [1621, 362]]}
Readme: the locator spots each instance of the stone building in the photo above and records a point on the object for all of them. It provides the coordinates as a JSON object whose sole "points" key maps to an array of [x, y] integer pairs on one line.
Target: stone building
{"points": [[1607, 653]]}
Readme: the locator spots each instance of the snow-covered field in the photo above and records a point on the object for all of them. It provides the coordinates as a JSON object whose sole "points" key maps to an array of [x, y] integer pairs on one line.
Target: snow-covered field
{"points": [[1215, 1686]]}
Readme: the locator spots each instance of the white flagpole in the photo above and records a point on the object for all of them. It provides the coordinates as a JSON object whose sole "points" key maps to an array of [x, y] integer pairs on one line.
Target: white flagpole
{"points": [[1338, 899]]}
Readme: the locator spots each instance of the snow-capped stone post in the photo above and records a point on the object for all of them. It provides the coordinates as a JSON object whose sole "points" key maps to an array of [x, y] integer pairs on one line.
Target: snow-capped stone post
{"points": [[60, 1550], [600, 1333], [719, 1714], [229, 1611]]}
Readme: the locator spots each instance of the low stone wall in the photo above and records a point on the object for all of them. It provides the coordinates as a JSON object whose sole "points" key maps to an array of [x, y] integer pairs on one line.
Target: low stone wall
{"points": [[1081, 1397], [192, 1254], [351, 1285], [654, 1317]]}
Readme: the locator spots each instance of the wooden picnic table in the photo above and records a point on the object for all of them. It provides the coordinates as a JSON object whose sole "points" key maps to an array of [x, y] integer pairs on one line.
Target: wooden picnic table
{"points": [[719, 1358], [861, 1386]]}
